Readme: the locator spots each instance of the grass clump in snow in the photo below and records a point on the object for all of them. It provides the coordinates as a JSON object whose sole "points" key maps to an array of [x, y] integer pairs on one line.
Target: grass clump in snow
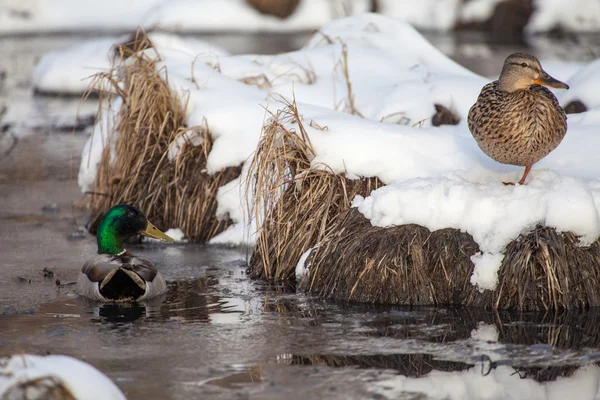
{"points": [[410, 265], [406, 264], [154, 161], [302, 202]]}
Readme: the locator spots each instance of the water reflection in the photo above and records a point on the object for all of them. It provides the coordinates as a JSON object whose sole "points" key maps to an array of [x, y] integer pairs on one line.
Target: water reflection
{"points": [[190, 300]]}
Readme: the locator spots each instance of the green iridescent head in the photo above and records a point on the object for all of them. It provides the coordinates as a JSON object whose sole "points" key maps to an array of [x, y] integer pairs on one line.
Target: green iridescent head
{"points": [[121, 222]]}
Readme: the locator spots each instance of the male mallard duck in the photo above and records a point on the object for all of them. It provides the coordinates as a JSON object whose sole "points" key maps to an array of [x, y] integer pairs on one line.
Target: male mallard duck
{"points": [[114, 274], [516, 120]]}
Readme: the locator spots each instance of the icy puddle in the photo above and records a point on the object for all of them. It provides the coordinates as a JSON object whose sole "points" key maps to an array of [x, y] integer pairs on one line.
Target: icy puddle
{"points": [[218, 334]]}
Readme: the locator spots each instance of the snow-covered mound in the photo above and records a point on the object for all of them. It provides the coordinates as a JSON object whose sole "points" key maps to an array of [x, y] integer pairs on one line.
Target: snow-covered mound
{"points": [[70, 70], [29, 376], [382, 70]]}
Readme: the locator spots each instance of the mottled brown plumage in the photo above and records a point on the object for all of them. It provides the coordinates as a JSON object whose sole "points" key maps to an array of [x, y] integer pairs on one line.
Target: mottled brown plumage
{"points": [[516, 120]]}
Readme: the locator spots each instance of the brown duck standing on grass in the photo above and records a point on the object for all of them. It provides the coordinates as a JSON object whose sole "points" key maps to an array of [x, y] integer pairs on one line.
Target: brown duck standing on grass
{"points": [[516, 120]]}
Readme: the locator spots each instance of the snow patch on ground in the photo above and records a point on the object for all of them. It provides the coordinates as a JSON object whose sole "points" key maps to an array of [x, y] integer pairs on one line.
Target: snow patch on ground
{"points": [[82, 380]]}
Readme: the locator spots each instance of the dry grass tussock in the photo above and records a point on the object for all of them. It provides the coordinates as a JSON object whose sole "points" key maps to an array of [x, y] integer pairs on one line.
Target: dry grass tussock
{"points": [[177, 193], [302, 202], [410, 265]]}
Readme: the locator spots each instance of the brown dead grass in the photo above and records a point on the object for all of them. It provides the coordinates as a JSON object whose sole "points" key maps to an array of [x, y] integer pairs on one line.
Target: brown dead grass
{"points": [[171, 194], [302, 201], [410, 265], [406, 264]]}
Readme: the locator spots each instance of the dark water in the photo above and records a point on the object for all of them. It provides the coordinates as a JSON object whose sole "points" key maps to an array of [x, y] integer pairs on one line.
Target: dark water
{"points": [[218, 334]]}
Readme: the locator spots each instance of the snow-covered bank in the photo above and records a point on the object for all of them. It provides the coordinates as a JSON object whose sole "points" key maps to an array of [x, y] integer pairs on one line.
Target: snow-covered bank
{"points": [[239, 15], [386, 73]]}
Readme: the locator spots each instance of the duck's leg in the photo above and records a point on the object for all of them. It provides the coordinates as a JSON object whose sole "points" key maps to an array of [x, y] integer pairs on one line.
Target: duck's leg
{"points": [[522, 181], [527, 169]]}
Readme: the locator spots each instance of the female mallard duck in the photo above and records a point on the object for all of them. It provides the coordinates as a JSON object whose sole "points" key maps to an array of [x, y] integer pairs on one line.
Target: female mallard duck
{"points": [[516, 120], [114, 274]]}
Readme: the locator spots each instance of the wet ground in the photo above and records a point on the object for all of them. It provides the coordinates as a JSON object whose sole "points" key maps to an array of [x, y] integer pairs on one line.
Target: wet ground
{"points": [[217, 334]]}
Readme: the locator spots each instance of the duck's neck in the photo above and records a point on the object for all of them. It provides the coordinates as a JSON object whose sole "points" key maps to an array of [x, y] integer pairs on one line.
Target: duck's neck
{"points": [[109, 240], [511, 83]]}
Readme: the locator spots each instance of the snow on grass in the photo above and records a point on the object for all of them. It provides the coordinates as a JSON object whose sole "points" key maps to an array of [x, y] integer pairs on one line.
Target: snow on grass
{"points": [[385, 71], [82, 380]]}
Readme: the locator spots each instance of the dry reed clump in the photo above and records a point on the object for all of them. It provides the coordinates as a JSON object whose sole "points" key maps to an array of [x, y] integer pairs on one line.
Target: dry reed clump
{"points": [[302, 202], [410, 265], [406, 264], [178, 193]]}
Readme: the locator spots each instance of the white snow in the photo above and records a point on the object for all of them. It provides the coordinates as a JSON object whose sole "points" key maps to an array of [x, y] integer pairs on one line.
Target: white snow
{"points": [[478, 10], [192, 138], [17, 16], [236, 15], [70, 71], [82, 380], [584, 86], [102, 135], [232, 203], [425, 14], [302, 268], [176, 233], [572, 15]]}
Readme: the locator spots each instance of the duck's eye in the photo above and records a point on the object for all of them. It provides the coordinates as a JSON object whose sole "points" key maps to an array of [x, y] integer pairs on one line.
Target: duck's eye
{"points": [[524, 65], [131, 214]]}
